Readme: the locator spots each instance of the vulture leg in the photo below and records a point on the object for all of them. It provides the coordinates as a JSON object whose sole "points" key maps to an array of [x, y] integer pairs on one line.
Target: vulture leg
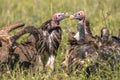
{"points": [[48, 60], [43, 59], [51, 62]]}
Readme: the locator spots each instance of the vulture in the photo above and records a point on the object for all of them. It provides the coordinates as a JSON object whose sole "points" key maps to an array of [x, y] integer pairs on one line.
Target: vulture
{"points": [[109, 44], [105, 35], [50, 34], [89, 37], [107, 40], [110, 49], [79, 51], [27, 53], [80, 16], [4, 32], [5, 42], [24, 53], [84, 48]]}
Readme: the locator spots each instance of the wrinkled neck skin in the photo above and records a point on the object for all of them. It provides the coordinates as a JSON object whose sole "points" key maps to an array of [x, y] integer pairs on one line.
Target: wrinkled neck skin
{"points": [[85, 27], [54, 23], [82, 21], [81, 30], [80, 35]]}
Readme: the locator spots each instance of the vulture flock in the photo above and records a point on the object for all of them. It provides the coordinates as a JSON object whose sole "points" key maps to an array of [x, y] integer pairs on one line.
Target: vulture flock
{"points": [[87, 51], [39, 48], [43, 42]]}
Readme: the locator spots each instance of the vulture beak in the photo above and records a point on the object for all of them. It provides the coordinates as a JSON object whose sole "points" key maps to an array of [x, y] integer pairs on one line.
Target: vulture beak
{"points": [[71, 17], [60, 16], [78, 15], [67, 15]]}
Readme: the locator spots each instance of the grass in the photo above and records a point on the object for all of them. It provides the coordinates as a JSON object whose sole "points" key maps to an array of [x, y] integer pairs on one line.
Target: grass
{"points": [[35, 12]]}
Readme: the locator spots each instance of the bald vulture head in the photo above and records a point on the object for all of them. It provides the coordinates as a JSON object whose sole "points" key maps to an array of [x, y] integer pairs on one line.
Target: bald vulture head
{"points": [[105, 33], [59, 16], [80, 15]]}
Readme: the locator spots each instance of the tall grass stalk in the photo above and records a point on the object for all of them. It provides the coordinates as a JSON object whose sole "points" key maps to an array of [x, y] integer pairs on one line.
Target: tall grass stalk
{"points": [[51, 7]]}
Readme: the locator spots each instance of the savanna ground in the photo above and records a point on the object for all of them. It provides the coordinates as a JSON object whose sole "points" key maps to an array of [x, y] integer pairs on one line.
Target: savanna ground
{"points": [[35, 12]]}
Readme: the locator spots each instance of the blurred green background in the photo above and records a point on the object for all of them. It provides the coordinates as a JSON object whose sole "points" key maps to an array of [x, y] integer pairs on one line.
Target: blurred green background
{"points": [[100, 13]]}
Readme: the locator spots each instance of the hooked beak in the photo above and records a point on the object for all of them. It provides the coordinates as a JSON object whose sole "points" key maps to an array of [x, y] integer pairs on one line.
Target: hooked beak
{"points": [[67, 15], [71, 17], [74, 16], [64, 15], [61, 16]]}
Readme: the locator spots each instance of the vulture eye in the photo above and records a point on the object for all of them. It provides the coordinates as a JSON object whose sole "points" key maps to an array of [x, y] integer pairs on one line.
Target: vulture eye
{"points": [[58, 15], [78, 13]]}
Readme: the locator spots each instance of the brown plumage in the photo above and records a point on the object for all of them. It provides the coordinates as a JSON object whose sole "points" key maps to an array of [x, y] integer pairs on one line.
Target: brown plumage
{"points": [[27, 55], [4, 34], [90, 38], [92, 51], [11, 27], [50, 35], [111, 44], [23, 53], [26, 51], [78, 52], [107, 40], [49, 41], [87, 28], [77, 55], [4, 31], [6, 43], [52, 39]]}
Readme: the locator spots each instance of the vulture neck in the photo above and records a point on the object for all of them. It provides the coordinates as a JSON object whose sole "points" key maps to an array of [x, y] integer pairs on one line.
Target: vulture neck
{"points": [[54, 23], [81, 30], [82, 21], [105, 34]]}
